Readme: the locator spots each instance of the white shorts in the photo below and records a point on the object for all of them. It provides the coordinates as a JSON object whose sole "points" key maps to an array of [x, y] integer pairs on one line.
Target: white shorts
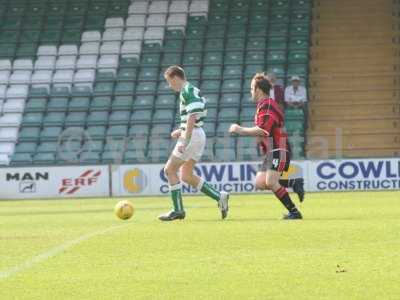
{"points": [[195, 148]]}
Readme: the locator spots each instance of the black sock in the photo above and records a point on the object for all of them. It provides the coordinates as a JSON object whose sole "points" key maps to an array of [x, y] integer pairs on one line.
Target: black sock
{"points": [[284, 197], [289, 183]]}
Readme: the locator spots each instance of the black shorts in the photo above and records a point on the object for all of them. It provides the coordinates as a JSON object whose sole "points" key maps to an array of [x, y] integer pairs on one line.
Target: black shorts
{"points": [[278, 160]]}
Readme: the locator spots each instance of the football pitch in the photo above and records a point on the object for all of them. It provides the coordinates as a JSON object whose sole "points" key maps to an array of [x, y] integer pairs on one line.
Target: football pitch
{"points": [[347, 247]]}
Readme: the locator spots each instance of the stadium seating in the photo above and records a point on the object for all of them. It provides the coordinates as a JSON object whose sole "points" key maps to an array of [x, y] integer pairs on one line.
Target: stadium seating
{"points": [[98, 64]]}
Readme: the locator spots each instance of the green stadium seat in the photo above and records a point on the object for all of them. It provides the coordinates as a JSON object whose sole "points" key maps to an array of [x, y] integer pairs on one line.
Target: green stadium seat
{"points": [[278, 70], [256, 43], [280, 4], [278, 30], [105, 75], [298, 56], [50, 133], [26, 51], [210, 86], [251, 70], [93, 145], [122, 103], [255, 57], [258, 17], [280, 16], [38, 91], [211, 115], [230, 100], [128, 62], [175, 34], [21, 159], [89, 157], [33, 119], [294, 114], [54, 23], [298, 69], [119, 117], [8, 37], [247, 154], [73, 22], [234, 71], [79, 104], [103, 89], [293, 127], [225, 142], [100, 103], [247, 114], [209, 128], [217, 18], [47, 147], [160, 130], [300, 29], [148, 74], [231, 85], [276, 57], [163, 116], [126, 74], [228, 114], [29, 134], [150, 59], [239, 5], [212, 72], [213, 58], [117, 131], [54, 119], [194, 45], [300, 17], [30, 36], [236, 44], [124, 88], [212, 99], [222, 128], [246, 142], [213, 44], [216, 31], [139, 131], [97, 118], [298, 43], [143, 102], [25, 147], [112, 157], [165, 101], [255, 30], [192, 58], [226, 154], [96, 132], [194, 31], [233, 58], [277, 43], [136, 156], [33, 22], [141, 117], [51, 36], [238, 18], [146, 87], [171, 59], [192, 72], [57, 104], [76, 119]]}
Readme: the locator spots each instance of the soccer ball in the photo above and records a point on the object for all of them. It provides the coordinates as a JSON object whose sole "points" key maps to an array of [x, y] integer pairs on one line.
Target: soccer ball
{"points": [[124, 210]]}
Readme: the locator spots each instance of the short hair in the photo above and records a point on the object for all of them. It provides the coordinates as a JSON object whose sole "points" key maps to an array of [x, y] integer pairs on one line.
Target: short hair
{"points": [[261, 82], [175, 71]]}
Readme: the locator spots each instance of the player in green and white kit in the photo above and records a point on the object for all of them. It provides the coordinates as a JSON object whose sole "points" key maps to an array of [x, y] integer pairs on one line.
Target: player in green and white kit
{"points": [[189, 147]]}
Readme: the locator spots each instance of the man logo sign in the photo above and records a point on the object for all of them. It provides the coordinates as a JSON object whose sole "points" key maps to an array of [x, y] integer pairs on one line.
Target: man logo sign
{"points": [[135, 181]]}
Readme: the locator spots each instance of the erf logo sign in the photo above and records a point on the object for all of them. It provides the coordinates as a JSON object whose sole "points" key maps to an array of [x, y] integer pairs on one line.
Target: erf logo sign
{"points": [[71, 185], [27, 181]]}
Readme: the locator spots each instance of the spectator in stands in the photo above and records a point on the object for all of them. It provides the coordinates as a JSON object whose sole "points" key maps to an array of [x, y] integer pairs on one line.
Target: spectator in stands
{"points": [[276, 92], [295, 94]]}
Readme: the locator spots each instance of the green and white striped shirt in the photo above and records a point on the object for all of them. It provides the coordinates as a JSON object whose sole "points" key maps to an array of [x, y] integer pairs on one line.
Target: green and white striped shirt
{"points": [[192, 102]]}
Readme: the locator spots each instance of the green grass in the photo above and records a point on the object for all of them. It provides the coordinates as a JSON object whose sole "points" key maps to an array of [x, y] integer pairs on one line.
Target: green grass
{"points": [[347, 247]]}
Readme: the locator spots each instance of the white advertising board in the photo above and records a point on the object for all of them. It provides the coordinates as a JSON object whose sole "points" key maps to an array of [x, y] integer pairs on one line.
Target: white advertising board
{"points": [[54, 182]]}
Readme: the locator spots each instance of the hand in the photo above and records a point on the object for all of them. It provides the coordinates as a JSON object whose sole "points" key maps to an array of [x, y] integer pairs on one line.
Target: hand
{"points": [[181, 148], [235, 128], [176, 133]]}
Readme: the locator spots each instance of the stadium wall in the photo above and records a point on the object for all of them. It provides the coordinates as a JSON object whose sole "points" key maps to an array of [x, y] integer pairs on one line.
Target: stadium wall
{"points": [[235, 177]]}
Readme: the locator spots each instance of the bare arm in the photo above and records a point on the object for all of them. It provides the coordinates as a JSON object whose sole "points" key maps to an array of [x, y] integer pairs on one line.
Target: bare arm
{"points": [[249, 131]]}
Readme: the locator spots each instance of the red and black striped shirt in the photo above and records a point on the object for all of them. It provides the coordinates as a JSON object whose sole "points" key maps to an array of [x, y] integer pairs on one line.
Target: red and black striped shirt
{"points": [[270, 118]]}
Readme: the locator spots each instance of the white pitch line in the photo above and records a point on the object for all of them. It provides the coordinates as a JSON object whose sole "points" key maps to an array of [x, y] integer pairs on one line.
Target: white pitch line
{"points": [[53, 252]]}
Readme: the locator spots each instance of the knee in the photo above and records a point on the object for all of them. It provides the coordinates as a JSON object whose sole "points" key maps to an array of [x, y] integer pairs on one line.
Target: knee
{"points": [[168, 171], [260, 183], [187, 178]]}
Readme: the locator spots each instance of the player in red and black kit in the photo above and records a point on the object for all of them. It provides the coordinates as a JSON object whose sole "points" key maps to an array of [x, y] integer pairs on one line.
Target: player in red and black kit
{"points": [[273, 140]]}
